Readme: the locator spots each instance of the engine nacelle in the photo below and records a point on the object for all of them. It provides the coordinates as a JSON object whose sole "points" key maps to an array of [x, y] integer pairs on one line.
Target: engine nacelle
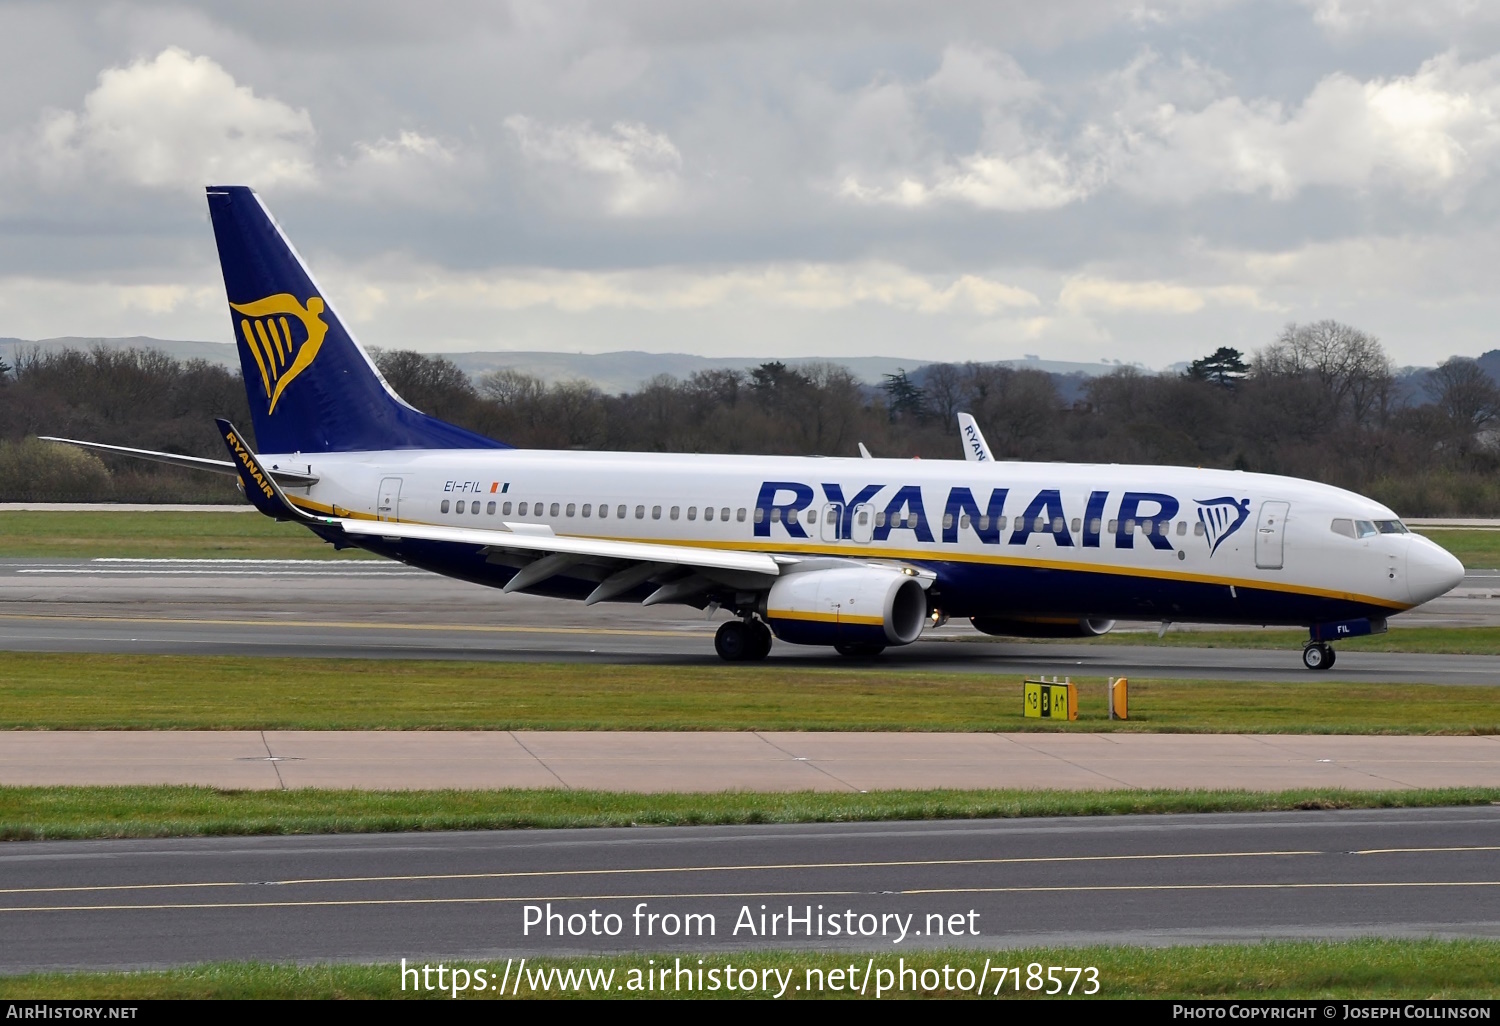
{"points": [[846, 606], [1042, 626]]}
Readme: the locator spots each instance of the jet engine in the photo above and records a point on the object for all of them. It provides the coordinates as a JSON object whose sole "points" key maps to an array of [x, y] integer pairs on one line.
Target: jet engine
{"points": [[848, 607], [1042, 626]]}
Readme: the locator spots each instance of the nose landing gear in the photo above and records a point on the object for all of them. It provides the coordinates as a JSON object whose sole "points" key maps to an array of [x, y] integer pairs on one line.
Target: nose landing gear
{"points": [[1318, 656]]}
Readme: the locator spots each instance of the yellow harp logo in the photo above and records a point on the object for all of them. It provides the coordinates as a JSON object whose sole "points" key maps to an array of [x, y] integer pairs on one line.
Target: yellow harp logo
{"points": [[283, 336]]}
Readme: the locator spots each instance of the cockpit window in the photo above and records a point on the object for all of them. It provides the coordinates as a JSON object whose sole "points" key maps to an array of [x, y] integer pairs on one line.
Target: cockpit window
{"points": [[1364, 529], [1390, 527], [1343, 526]]}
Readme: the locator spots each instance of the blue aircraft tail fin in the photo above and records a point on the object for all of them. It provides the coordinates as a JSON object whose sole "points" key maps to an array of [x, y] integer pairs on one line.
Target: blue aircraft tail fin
{"points": [[311, 386]]}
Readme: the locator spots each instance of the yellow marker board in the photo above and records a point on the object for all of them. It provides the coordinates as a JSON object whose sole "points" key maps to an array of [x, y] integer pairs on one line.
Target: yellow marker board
{"points": [[1119, 708], [1048, 701]]}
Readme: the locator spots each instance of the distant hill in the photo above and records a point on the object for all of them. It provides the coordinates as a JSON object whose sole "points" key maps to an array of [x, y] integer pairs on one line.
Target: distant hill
{"points": [[612, 372]]}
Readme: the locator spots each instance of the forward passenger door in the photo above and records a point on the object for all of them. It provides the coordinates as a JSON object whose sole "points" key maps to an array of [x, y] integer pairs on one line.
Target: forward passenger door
{"points": [[1270, 535]]}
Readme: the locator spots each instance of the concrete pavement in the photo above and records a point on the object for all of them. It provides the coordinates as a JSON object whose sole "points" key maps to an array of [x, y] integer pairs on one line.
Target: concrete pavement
{"points": [[753, 761]]}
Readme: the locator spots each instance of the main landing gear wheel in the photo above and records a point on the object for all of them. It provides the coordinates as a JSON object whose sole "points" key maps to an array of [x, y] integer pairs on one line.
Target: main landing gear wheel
{"points": [[859, 651], [1318, 657], [741, 640], [762, 635]]}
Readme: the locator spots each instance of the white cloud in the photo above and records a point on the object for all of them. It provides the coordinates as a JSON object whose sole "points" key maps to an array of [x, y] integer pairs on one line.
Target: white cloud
{"points": [[1015, 167], [640, 169], [1086, 293], [177, 121], [1175, 132], [1430, 134], [812, 287], [1347, 17], [411, 168]]}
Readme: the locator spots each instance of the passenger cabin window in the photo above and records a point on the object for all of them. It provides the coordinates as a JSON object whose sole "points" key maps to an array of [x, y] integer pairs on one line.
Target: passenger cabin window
{"points": [[1077, 525], [1343, 526], [474, 507], [655, 512], [864, 517], [775, 515], [963, 519], [692, 512], [708, 513], [460, 508], [674, 512], [1181, 528], [1114, 525], [444, 507], [1057, 525], [880, 518], [1198, 530], [760, 515], [490, 509], [812, 516], [505, 510], [554, 509], [1094, 526], [740, 516], [640, 512], [724, 514], [571, 509], [521, 510], [588, 508]]}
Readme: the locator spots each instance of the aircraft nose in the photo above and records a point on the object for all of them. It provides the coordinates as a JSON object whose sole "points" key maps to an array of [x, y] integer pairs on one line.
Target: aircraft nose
{"points": [[1431, 571]]}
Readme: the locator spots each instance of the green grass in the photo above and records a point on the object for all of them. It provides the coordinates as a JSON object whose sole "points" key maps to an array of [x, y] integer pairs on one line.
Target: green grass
{"points": [[35, 813], [89, 691], [1477, 550], [160, 536], [1319, 970]]}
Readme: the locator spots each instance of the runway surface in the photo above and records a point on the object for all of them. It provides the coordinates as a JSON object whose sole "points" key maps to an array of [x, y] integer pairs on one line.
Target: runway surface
{"points": [[995, 884], [742, 760], [378, 609]]}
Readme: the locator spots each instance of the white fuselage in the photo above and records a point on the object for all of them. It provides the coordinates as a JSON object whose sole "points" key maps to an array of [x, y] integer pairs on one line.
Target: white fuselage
{"points": [[1037, 538]]}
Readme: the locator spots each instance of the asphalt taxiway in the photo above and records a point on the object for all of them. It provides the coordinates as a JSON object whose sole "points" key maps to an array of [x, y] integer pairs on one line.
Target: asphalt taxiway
{"points": [[993, 884], [351, 609]]}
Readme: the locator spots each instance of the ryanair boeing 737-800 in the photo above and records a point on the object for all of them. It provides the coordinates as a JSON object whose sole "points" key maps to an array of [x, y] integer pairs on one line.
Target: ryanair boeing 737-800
{"points": [[856, 554]]}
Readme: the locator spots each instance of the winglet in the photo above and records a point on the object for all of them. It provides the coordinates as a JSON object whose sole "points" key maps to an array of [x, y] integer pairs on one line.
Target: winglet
{"points": [[976, 450], [258, 484]]}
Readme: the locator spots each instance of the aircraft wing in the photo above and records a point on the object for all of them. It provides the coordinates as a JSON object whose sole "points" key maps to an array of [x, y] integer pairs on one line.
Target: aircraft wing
{"points": [[679, 571], [976, 449], [191, 462]]}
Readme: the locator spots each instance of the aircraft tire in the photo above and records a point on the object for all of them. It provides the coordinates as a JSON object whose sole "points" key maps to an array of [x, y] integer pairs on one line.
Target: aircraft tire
{"points": [[1317, 657], [734, 641], [859, 651], [761, 640]]}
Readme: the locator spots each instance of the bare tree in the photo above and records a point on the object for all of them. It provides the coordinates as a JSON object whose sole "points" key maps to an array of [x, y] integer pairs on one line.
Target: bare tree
{"points": [[1466, 398], [1353, 372]]}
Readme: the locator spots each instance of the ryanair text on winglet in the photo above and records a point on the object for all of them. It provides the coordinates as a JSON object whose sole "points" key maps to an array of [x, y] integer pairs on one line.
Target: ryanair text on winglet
{"points": [[244, 457]]}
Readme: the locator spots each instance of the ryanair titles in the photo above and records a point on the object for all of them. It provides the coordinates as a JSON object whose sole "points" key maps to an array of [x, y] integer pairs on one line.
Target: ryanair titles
{"points": [[781, 505]]}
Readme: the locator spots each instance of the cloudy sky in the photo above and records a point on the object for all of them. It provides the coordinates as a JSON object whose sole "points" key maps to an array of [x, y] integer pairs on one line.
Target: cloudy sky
{"points": [[1140, 181]]}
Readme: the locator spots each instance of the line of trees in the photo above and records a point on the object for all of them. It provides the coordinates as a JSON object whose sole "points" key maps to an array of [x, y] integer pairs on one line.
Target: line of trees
{"points": [[1321, 401]]}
